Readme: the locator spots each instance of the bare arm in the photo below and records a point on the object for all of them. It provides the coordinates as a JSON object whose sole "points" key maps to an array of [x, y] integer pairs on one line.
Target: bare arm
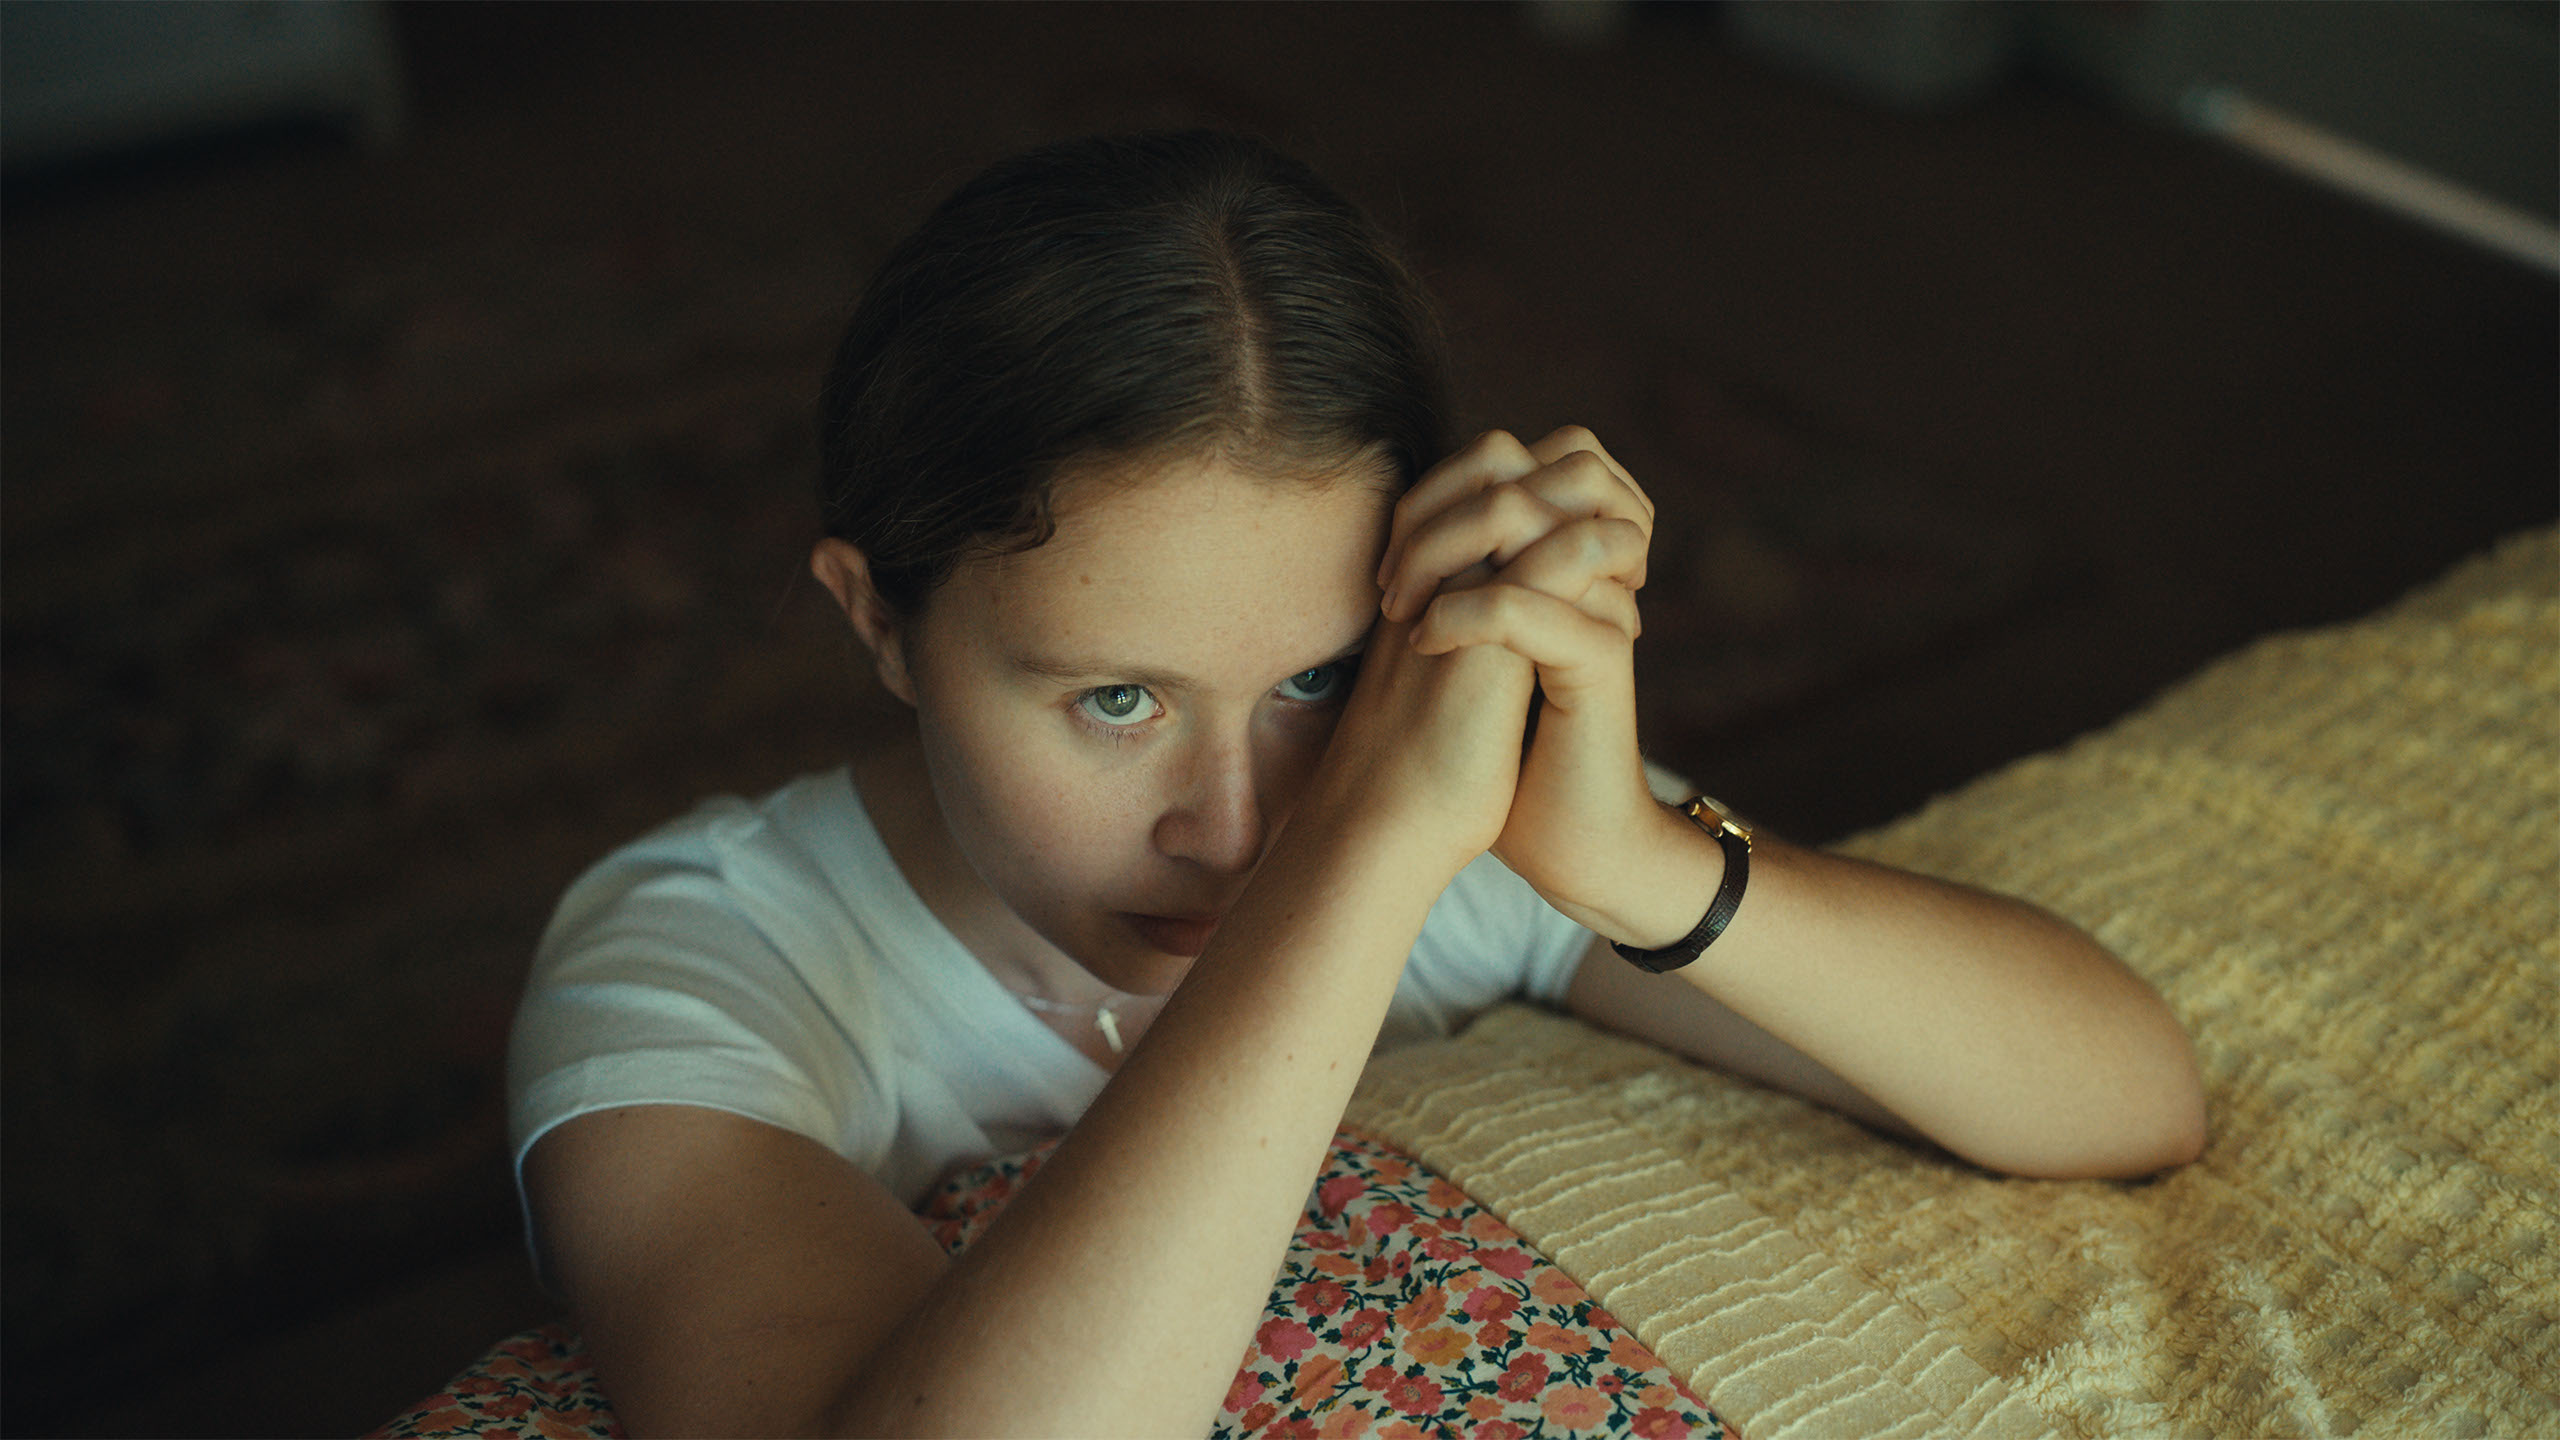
{"points": [[1983, 1023], [734, 1279], [1974, 1020]]}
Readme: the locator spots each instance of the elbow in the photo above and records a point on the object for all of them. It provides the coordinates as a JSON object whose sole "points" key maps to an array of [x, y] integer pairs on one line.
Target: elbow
{"points": [[2158, 1128], [2183, 1129], [2166, 1115], [2137, 1118], [2151, 1117], [2165, 1141], [2133, 1148], [2191, 1126]]}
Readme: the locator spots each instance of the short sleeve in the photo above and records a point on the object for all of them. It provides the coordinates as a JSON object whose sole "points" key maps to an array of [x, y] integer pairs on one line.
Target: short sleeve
{"points": [[1491, 936], [658, 982]]}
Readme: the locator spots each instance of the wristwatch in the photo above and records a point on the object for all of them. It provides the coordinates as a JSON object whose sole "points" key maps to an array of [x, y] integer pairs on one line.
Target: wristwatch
{"points": [[1733, 835]]}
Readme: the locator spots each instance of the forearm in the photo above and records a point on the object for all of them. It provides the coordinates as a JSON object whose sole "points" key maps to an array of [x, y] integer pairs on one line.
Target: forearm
{"points": [[1995, 1029], [1119, 1290]]}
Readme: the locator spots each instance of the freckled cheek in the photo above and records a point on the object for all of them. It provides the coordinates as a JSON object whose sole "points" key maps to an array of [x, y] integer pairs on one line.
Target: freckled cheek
{"points": [[1036, 810], [1289, 749]]}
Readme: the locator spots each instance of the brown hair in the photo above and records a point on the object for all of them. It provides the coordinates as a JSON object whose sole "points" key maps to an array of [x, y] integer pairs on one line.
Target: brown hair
{"points": [[1110, 297]]}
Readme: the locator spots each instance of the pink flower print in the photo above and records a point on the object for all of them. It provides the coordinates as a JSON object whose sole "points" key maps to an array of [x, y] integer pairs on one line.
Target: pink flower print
{"points": [[1656, 1423], [1492, 1333], [1412, 1394], [1257, 1417], [1441, 1247], [1246, 1389], [1296, 1427], [1362, 1327], [1496, 1430], [1628, 1353], [1337, 1192], [1322, 1297], [1491, 1302], [1389, 1216], [1524, 1378], [1509, 1264], [1283, 1340]]}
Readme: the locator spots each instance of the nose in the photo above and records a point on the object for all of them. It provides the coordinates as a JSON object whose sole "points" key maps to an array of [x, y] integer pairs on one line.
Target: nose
{"points": [[1214, 814]]}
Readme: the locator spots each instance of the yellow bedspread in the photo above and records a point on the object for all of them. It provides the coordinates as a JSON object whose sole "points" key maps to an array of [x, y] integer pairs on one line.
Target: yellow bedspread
{"points": [[2337, 853]]}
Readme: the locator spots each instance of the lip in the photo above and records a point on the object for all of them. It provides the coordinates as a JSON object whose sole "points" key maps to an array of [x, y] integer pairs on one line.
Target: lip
{"points": [[1185, 935]]}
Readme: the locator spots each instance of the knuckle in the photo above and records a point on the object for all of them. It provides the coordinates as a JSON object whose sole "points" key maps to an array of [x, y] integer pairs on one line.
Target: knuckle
{"points": [[1510, 502], [1585, 468], [1502, 510], [1589, 542]]}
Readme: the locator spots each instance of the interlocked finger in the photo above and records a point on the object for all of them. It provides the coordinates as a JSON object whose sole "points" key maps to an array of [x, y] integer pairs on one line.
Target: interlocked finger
{"points": [[1496, 519], [1498, 523], [1578, 654], [1584, 563], [1587, 478], [1489, 527], [1571, 438], [1493, 458]]}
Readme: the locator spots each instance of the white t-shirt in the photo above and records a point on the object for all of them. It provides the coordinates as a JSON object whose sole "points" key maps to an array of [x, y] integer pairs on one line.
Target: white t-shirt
{"points": [[769, 959]]}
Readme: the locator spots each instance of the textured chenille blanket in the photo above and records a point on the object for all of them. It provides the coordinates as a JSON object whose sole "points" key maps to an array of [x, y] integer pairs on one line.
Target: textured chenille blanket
{"points": [[2337, 853]]}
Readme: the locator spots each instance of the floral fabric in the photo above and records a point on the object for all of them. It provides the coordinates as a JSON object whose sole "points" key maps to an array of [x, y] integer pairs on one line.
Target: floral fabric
{"points": [[538, 1384], [1403, 1310]]}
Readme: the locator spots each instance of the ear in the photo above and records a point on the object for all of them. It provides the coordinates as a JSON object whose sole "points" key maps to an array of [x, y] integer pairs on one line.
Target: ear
{"points": [[846, 572]]}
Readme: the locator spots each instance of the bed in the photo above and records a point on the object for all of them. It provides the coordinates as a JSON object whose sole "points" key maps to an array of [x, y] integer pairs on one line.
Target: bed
{"points": [[2337, 854]]}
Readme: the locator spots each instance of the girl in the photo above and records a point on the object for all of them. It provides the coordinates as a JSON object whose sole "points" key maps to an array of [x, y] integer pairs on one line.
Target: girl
{"points": [[1223, 672]]}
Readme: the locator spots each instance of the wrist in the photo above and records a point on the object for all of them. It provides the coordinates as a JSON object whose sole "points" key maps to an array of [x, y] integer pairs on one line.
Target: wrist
{"points": [[1666, 884], [1342, 828]]}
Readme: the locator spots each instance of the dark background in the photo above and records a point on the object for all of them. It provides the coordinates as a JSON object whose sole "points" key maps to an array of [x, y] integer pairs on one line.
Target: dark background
{"points": [[389, 532]]}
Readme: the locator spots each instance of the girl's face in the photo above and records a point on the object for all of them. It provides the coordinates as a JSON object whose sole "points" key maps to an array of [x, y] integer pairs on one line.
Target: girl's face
{"points": [[1117, 722]]}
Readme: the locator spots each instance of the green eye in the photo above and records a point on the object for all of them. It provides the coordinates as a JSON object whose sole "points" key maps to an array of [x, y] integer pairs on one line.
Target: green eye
{"points": [[1322, 683], [1119, 705]]}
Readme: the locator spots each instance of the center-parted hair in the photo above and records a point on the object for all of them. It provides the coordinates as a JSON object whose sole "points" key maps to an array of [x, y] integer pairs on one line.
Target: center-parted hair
{"points": [[1116, 298]]}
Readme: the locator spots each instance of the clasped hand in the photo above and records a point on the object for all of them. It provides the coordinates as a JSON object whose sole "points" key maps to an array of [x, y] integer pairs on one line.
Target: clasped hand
{"points": [[1534, 553]]}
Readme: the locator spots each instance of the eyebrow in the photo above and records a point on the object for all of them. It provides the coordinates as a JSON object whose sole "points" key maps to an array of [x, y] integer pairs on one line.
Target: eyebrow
{"points": [[1076, 670]]}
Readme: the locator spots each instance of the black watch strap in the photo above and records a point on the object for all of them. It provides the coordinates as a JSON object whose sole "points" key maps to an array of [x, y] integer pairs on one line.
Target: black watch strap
{"points": [[1734, 838]]}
